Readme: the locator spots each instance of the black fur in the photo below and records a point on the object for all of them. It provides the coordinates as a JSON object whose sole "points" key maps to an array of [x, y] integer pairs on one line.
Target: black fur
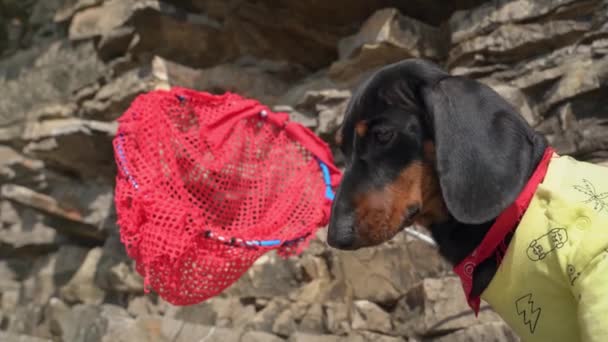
{"points": [[485, 152]]}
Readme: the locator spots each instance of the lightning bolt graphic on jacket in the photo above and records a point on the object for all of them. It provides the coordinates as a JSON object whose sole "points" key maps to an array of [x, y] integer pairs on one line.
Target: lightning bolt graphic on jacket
{"points": [[525, 307]]}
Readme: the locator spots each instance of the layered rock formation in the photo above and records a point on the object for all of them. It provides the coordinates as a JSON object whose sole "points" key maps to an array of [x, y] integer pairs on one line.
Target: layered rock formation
{"points": [[69, 68]]}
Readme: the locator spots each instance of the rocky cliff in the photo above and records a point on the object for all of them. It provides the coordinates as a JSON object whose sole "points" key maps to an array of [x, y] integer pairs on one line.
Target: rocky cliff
{"points": [[69, 68]]}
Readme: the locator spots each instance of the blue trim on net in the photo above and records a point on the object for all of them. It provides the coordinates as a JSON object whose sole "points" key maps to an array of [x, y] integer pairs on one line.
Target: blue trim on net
{"points": [[123, 162], [269, 243], [329, 194]]}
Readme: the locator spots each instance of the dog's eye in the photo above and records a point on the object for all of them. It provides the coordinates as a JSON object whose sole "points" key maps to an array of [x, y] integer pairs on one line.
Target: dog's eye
{"points": [[384, 136]]}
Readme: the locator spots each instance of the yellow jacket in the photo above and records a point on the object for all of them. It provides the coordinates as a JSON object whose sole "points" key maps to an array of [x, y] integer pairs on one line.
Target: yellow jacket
{"points": [[552, 284]]}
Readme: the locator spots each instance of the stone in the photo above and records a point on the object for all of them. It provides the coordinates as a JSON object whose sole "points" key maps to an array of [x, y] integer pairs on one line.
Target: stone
{"points": [[118, 321], [169, 73], [8, 277], [143, 329], [438, 306], [13, 24], [39, 201], [344, 13], [14, 270], [145, 305], [8, 337], [319, 291], [23, 232], [232, 313], [188, 38], [477, 72], [270, 276], [205, 313], [369, 316], [85, 323], [113, 99], [67, 144], [25, 24], [509, 43], [219, 311], [18, 169], [94, 21], [246, 80], [265, 81], [82, 287], [72, 220], [328, 106], [285, 324], [495, 331], [313, 320], [296, 94], [357, 337], [580, 78], [117, 42], [544, 69], [575, 127], [93, 200], [10, 297], [383, 274], [258, 336], [70, 7], [184, 37], [303, 119], [309, 31], [299, 310], [26, 320], [314, 267], [115, 271], [11, 133], [303, 337], [54, 73], [338, 317], [366, 336], [51, 272], [265, 318], [465, 25], [386, 37], [177, 331]]}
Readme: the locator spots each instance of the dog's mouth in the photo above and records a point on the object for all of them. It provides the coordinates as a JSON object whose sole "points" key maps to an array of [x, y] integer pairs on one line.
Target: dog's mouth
{"points": [[388, 234], [410, 216]]}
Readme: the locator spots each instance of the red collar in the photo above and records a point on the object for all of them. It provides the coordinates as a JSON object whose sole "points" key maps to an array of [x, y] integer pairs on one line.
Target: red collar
{"points": [[505, 223]]}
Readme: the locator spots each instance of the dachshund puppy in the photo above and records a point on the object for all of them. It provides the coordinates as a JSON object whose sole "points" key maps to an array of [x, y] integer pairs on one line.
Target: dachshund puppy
{"points": [[450, 154]]}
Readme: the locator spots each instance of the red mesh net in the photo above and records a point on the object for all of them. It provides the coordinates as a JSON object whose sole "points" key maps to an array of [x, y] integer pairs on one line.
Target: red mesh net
{"points": [[206, 184]]}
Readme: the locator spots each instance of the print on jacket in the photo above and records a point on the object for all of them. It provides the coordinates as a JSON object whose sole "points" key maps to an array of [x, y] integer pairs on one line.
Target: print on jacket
{"points": [[572, 273], [553, 240], [528, 310], [594, 198]]}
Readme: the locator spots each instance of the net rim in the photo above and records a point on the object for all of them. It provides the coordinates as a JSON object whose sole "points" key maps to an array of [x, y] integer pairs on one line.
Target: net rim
{"points": [[278, 120]]}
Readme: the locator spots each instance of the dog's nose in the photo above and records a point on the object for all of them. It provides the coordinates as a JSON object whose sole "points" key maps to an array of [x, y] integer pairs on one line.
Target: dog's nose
{"points": [[341, 232], [340, 238]]}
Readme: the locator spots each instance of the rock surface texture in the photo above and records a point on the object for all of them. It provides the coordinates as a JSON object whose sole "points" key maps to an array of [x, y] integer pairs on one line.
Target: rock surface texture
{"points": [[69, 68]]}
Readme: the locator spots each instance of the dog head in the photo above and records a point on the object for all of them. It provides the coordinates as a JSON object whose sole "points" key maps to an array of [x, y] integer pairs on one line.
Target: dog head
{"points": [[422, 146]]}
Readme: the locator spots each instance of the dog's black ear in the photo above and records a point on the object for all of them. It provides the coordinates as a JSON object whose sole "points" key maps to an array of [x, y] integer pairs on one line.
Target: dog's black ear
{"points": [[485, 150]]}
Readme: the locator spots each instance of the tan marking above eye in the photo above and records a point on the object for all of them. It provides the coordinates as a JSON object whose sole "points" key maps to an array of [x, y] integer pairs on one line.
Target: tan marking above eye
{"points": [[429, 152], [361, 128]]}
